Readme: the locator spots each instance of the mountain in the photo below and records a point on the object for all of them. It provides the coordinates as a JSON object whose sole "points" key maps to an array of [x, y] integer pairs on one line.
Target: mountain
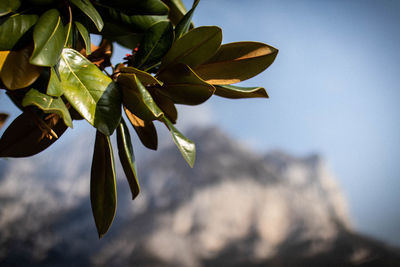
{"points": [[234, 208]]}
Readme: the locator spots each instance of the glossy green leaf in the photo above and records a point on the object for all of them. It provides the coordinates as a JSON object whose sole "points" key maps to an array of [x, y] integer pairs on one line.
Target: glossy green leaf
{"points": [[49, 38], [235, 62], [132, 7], [183, 86], [14, 28], [137, 23], [69, 36], [8, 6], [194, 48], [185, 146], [24, 138], [137, 99], [145, 130], [85, 36], [103, 191], [156, 42], [234, 92], [144, 77], [92, 93], [54, 87], [176, 10], [48, 104], [127, 158], [86, 7], [184, 24], [17, 72]]}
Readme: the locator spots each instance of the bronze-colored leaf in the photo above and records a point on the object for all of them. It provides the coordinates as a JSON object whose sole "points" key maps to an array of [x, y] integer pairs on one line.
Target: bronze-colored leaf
{"points": [[165, 104], [101, 55], [3, 118], [144, 129]]}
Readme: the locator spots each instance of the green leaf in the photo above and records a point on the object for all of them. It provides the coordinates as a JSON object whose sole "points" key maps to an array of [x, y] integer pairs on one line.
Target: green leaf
{"points": [[48, 104], [17, 72], [85, 36], [184, 24], [144, 77], [185, 146], [165, 104], [49, 38], [156, 42], [183, 86], [132, 7], [54, 87], [127, 158], [92, 93], [24, 138], [137, 99], [234, 92], [144, 129], [235, 62], [137, 23], [194, 48], [14, 28], [103, 192], [86, 7], [176, 10], [8, 6]]}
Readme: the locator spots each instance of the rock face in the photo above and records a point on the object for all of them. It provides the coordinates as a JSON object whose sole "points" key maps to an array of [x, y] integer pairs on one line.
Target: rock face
{"points": [[234, 208]]}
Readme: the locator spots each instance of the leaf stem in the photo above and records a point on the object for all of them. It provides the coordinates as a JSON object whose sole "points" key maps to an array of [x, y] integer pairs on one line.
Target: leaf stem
{"points": [[69, 25]]}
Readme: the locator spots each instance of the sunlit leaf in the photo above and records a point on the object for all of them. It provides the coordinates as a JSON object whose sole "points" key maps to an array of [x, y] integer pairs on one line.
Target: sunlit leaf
{"points": [[14, 28], [183, 86], [184, 24], [185, 146], [176, 10], [92, 93], [230, 91], [235, 62], [3, 57], [48, 104], [86, 7], [85, 36], [194, 48], [144, 77], [101, 56], [127, 158], [103, 192], [144, 129], [8, 6]]}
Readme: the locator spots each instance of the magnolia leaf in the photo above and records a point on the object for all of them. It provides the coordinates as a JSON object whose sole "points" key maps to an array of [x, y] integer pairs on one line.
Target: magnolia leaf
{"points": [[92, 93], [3, 118], [235, 62], [136, 23], [137, 99], [17, 72], [28, 135], [48, 104], [8, 6], [156, 42], [86, 7], [194, 48], [184, 24], [101, 55], [127, 158], [185, 146], [234, 92], [103, 191], [144, 77], [85, 36], [183, 86], [14, 28], [3, 57], [176, 10], [165, 104], [132, 7], [54, 87], [49, 38], [144, 129]]}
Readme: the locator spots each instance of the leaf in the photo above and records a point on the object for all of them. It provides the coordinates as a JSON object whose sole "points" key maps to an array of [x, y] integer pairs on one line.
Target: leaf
{"points": [[144, 77], [176, 10], [14, 28], [24, 138], [127, 158], [185, 146], [86, 7], [184, 24], [48, 104], [17, 72], [92, 93], [3, 57], [235, 62], [165, 104], [8, 6], [148, 7], [234, 92], [194, 48], [103, 192], [156, 42], [183, 86], [101, 56], [49, 38], [85, 36], [3, 118], [54, 87], [144, 129], [137, 99], [136, 23]]}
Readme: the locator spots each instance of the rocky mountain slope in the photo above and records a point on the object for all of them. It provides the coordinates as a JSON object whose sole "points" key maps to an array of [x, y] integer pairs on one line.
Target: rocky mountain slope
{"points": [[234, 208]]}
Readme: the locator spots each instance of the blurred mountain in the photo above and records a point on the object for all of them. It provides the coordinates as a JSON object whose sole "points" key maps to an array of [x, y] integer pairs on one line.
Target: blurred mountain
{"points": [[234, 208]]}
